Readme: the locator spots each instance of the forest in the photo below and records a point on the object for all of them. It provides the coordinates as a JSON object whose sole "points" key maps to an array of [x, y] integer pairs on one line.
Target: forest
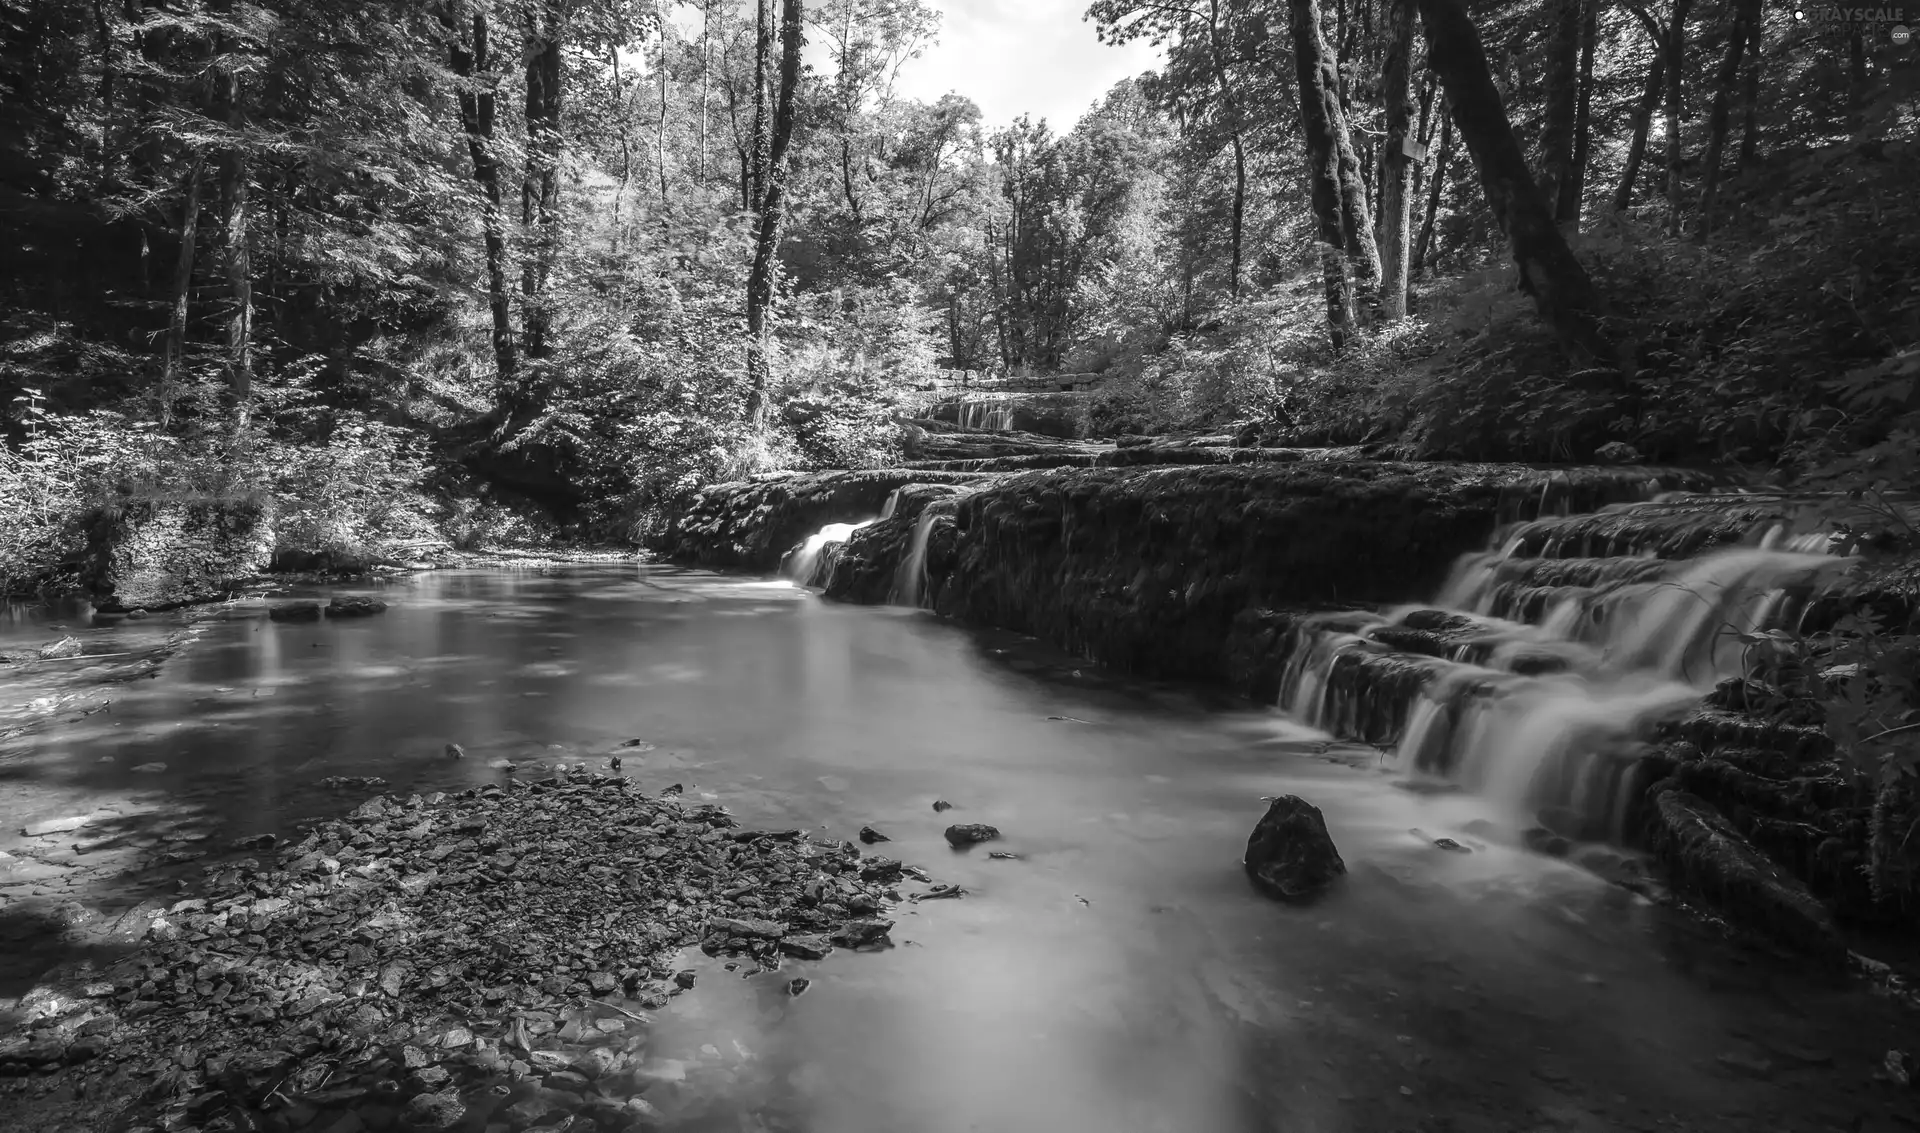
{"points": [[497, 270]]}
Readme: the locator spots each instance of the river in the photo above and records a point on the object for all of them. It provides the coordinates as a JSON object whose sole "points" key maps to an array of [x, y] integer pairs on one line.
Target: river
{"points": [[1120, 975]]}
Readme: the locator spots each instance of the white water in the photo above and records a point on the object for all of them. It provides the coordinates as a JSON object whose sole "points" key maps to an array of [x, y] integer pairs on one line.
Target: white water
{"points": [[984, 413], [803, 563], [909, 579], [1553, 710]]}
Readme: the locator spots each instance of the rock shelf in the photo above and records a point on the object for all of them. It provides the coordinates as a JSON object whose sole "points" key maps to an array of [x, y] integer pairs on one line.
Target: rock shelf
{"points": [[479, 960]]}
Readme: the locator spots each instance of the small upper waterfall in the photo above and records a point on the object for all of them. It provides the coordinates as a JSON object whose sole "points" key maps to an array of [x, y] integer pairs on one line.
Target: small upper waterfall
{"points": [[1536, 677], [912, 573], [991, 413], [807, 563]]}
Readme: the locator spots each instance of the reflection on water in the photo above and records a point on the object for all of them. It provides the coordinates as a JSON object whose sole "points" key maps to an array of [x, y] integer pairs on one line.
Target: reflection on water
{"points": [[1122, 976]]}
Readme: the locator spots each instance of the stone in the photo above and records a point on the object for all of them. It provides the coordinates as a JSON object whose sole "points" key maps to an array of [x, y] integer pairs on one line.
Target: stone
{"points": [[1290, 855], [435, 1111], [941, 805], [962, 835], [731, 926], [455, 751], [869, 836], [294, 612], [54, 826], [880, 869], [799, 986], [806, 947], [1617, 452], [861, 933], [1543, 841], [1705, 850], [63, 648], [354, 606], [150, 768]]}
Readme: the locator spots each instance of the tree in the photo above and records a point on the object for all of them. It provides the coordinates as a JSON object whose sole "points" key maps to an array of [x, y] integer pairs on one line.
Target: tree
{"points": [[771, 178], [1744, 16], [1549, 272], [540, 190], [472, 65], [1563, 101], [1352, 273], [1395, 205], [1643, 114]]}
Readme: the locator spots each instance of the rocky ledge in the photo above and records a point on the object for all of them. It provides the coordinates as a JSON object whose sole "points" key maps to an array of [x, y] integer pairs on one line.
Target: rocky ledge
{"points": [[480, 960]]}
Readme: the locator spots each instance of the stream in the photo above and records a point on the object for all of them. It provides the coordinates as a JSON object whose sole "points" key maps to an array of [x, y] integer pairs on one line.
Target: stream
{"points": [[1119, 975]]}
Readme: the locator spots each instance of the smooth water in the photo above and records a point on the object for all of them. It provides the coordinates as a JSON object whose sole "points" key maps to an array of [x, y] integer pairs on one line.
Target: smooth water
{"points": [[1122, 977]]}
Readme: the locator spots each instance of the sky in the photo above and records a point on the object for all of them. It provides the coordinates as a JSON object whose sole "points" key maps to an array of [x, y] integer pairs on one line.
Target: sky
{"points": [[1016, 57]]}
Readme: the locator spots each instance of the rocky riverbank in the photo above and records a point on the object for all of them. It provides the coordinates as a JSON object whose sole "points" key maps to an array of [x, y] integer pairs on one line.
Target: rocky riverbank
{"points": [[473, 960]]}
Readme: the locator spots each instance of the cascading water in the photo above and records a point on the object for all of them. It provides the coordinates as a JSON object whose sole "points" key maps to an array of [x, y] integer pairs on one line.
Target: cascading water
{"points": [[807, 563], [992, 414], [909, 578], [1537, 679]]}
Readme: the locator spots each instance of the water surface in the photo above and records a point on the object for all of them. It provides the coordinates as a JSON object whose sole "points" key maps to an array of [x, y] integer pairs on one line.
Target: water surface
{"points": [[1121, 977]]}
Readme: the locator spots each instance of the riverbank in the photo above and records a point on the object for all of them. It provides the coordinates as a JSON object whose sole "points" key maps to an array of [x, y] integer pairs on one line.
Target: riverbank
{"points": [[448, 960]]}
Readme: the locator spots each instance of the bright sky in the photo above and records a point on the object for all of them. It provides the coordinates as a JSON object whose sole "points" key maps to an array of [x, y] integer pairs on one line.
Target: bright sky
{"points": [[1016, 57]]}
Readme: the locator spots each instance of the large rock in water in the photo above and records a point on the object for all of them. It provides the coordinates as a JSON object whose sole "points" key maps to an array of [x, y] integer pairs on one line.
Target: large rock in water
{"points": [[1290, 855], [750, 524], [156, 553]]}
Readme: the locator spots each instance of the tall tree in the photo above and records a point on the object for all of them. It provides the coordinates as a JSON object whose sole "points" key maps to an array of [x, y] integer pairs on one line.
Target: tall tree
{"points": [[1333, 171], [1743, 16], [1563, 102], [1643, 113], [772, 179], [1396, 91], [1676, 69], [473, 68], [1573, 190], [540, 190], [1436, 184], [1549, 272], [235, 181]]}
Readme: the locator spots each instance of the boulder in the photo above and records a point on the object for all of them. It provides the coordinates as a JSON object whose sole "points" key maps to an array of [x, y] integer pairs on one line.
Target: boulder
{"points": [[1290, 855], [964, 834], [294, 612], [158, 553], [353, 606]]}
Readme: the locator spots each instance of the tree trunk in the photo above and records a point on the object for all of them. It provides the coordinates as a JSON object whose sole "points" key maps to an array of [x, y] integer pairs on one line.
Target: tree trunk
{"points": [[473, 67], [1427, 130], [1397, 91], [1750, 94], [1326, 134], [234, 177], [1217, 54], [1549, 272], [1676, 52], [540, 192], [1744, 14], [1573, 190], [1436, 184], [1642, 126], [762, 74], [660, 130], [175, 358], [760, 278], [1562, 104]]}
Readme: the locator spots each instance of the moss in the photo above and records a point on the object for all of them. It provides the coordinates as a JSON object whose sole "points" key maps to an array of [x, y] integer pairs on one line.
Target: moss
{"points": [[1708, 854], [157, 553]]}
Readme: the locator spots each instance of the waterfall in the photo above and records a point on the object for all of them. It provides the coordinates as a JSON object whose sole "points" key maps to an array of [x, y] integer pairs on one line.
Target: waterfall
{"points": [[806, 562], [1538, 675], [993, 414], [912, 572]]}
